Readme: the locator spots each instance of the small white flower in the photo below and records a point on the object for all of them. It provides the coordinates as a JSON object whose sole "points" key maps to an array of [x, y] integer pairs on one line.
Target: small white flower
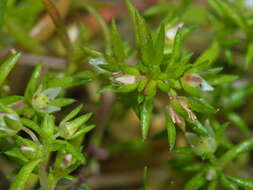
{"points": [[73, 33], [121, 78], [211, 174], [68, 158], [171, 32], [126, 79], [197, 81], [27, 148], [205, 86]]}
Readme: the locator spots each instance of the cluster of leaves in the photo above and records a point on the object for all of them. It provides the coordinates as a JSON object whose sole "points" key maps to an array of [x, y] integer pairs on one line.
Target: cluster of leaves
{"points": [[194, 88], [163, 64], [226, 20], [28, 130]]}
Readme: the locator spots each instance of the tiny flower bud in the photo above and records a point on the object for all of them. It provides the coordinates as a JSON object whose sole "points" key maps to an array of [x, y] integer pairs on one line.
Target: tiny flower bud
{"points": [[176, 119], [191, 115], [120, 78], [67, 159], [171, 32], [198, 82], [127, 79], [27, 148], [202, 145], [73, 33], [211, 174]]}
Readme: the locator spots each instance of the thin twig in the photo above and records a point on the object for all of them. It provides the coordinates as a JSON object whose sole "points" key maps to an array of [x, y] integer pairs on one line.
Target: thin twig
{"points": [[60, 27], [43, 174], [44, 28]]}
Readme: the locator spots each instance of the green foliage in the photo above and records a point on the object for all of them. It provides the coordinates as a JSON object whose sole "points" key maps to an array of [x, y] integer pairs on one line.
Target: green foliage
{"points": [[7, 65], [2, 11], [197, 93], [23, 175], [163, 64], [45, 136]]}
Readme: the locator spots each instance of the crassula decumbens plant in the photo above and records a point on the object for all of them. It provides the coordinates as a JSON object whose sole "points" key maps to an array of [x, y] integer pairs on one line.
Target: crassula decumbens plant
{"points": [[161, 64], [29, 133], [31, 136]]}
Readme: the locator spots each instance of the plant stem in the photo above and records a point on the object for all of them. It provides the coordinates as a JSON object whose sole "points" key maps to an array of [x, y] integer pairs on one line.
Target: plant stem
{"points": [[62, 31], [31, 134], [44, 182]]}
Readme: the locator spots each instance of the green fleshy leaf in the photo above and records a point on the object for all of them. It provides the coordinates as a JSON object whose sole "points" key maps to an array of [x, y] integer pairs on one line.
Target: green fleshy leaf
{"points": [[48, 126], [176, 51], [231, 12], [61, 102], [23, 175], [16, 153], [151, 89], [200, 105], [117, 44], [242, 182], [207, 57], [212, 185], [145, 117], [69, 128], [171, 131], [159, 45], [81, 131], [7, 65], [164, 86], [145, 39], [197, 127], [33, 83], [220, 79], [196, 182], [2, 11], [195, 167], [125, 88], [72, 114], [231, 154], [32, 125], [227, 184], [249, 56], [239, 122], [183, 150], [8, 110], [10, 100]]}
